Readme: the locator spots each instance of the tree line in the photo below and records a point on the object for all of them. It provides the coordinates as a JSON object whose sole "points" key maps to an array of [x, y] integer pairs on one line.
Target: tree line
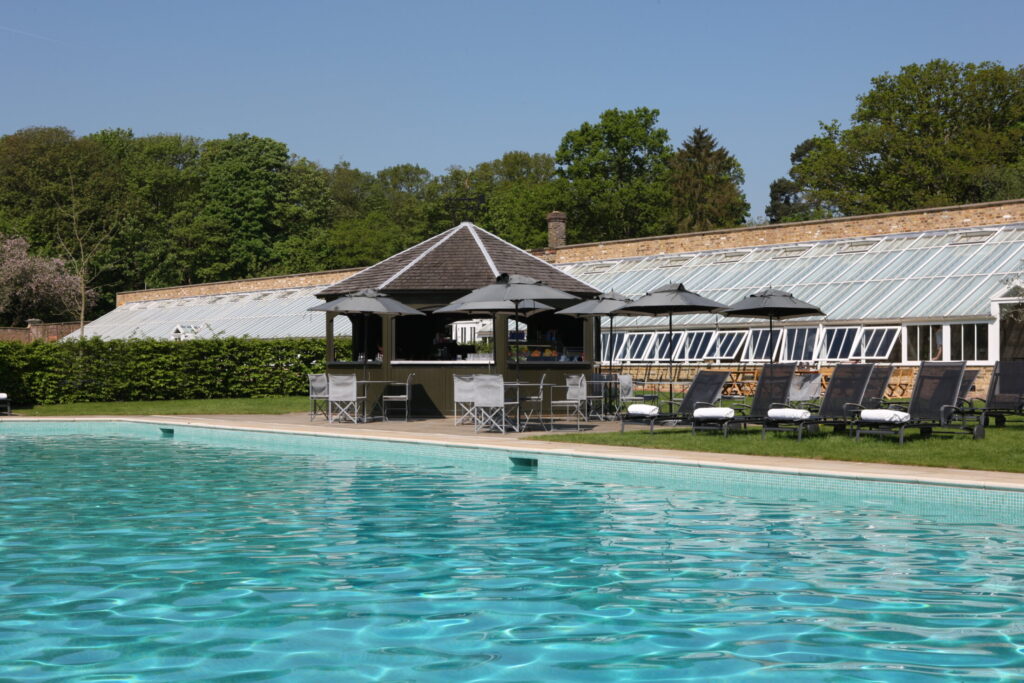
{"points": [[120, 212]]}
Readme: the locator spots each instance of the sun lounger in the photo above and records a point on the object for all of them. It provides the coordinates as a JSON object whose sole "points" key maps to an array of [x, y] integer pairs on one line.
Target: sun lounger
{"points": [[933, 407], [773, 387], [705, 391], [838, 408]]}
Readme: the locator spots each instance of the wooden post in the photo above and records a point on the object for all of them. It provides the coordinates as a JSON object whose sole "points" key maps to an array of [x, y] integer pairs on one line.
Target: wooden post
{"points": [[329, 332]]}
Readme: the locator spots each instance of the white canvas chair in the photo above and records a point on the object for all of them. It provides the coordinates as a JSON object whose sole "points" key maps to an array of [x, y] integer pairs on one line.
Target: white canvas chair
{"points": [[343, 399], [490, 407], [464, 393], [575, 401], [317, 396], [403, 399]]}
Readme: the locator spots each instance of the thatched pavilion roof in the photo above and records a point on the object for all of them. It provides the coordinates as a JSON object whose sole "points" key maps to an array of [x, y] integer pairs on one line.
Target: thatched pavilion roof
{"points": [[455, 261]]}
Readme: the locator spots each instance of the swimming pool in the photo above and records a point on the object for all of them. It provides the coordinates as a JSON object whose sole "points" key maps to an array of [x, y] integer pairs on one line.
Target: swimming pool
{"points": [[204, 554]]}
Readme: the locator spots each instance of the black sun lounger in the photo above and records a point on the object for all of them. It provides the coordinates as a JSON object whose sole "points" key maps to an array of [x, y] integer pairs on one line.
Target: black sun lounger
{"points": [[1005, 394], [933, 407], [773, 388], [838, 408], [705, 390]]}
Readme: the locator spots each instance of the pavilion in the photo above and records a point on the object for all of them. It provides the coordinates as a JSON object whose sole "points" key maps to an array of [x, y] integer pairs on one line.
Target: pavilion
{"points": [[431, 275]]}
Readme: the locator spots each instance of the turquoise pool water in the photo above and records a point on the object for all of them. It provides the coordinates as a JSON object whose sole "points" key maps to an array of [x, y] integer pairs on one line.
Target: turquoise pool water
{"points": [[175, 560]]}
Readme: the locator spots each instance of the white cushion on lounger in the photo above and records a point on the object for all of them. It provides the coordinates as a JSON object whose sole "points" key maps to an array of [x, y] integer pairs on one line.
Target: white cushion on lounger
{"points": [[884, 415], [2, 396], [642, 409], [714, 413], [789, 414]]}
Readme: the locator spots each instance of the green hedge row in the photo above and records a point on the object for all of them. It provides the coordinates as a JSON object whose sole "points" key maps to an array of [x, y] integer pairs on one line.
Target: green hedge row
{"points": [[147, 369]]}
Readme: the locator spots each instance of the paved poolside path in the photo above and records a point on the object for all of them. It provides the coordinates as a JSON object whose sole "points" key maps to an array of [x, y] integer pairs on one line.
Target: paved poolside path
{"points": [[443, 431]]}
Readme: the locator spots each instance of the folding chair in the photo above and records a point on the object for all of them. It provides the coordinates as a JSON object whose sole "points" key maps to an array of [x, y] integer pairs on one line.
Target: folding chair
{"points": [[317, 395], [575, 401], [404, 399], [464, 393], [343, 399], [490, 407]]}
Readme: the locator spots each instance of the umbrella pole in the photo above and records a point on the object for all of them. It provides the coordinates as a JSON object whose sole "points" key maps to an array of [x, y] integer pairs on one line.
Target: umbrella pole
{"points": [[515, 305]]}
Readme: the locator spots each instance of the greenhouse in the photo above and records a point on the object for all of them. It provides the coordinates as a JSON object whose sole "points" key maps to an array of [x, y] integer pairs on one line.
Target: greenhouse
{"points": [[268, 314], [945, 295]]}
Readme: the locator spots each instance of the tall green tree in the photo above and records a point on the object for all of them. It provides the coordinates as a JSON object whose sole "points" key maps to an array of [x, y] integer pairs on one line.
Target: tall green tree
{"points": [[706, 184], [616, 173], [250, 194], [934, 134], [789, 200]]}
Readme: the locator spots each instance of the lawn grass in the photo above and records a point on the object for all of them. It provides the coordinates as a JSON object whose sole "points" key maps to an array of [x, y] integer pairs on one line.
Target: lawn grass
{"points": [[1001, 450], [271, 405]]}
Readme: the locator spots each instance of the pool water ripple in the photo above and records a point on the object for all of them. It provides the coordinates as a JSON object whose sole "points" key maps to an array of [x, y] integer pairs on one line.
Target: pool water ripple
{"points": [[166, 561]]}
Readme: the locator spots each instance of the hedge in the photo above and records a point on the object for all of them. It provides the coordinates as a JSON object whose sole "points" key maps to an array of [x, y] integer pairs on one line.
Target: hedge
{"points": [[147, 369]]}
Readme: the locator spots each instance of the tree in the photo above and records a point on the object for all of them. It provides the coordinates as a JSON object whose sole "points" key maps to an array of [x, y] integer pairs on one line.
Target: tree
{"points": [[616, 171], [934, 134], [33, 286], [789, 200], [68, 195], [706, 184]]}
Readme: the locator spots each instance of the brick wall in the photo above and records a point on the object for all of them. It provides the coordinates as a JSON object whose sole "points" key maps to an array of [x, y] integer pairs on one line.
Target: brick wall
{"points": [[50, 332], [256, 284], [991, 213]]}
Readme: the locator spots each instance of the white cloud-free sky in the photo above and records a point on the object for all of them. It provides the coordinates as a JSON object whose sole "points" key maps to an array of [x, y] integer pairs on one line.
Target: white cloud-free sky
{"points": [[458, 82]]}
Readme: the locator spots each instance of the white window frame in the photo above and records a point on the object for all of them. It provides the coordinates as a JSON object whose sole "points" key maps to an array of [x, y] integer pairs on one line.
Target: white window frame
{"points": [[816, 330], [823, 343], [652, 348], [858, 347], [688, 344], [627, 346], [741, 344], [748, 351]]}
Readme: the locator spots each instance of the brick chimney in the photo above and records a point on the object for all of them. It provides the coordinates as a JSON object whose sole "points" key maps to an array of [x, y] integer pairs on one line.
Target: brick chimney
{"points": [[556, 229]]}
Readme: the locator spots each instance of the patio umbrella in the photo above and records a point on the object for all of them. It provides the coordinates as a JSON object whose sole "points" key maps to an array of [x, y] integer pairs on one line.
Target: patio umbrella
{"points": [[773, 304], [667, 300], [514, 289], [366, 302], [608, 303]]}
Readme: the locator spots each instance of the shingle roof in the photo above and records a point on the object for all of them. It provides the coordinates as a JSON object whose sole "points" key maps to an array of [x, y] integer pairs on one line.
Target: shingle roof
{"points": [[457, 260]]}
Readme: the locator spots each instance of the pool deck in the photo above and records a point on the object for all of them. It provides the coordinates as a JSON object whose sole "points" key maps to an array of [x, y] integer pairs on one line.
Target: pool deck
{"points": [[443, 431]]}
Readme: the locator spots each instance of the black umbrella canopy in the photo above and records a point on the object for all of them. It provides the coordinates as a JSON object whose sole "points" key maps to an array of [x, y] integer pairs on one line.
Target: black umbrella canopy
{"points": [[527, 307], [773, 304], [672, 298], [608, 303], [515, 288], [367, 301]]}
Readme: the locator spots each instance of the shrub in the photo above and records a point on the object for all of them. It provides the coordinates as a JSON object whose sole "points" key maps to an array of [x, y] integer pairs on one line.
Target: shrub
{"points": [[147, 369]]}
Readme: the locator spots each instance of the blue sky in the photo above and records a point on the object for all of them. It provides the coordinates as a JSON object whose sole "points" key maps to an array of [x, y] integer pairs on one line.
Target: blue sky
{"points": [[456, 83]]}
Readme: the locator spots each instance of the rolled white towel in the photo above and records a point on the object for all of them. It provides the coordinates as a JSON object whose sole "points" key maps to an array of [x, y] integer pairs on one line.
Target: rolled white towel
{"points": [[884, 415], [789, 414], [2, 396], [642, 409], [714, 413]]}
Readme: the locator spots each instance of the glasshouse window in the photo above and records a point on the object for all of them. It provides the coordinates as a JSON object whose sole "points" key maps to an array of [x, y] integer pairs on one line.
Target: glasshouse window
{"points": [[800, 343], [665, 346], [636, 345], [876, 343], [727, 345], [697, 345], [968, 342], [762, 347], [924, 342], [611, 350], [838, 344]]}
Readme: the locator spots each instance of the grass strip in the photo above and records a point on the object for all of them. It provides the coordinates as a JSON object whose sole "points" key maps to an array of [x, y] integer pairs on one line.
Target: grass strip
{"points": [[1001, 450]]}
